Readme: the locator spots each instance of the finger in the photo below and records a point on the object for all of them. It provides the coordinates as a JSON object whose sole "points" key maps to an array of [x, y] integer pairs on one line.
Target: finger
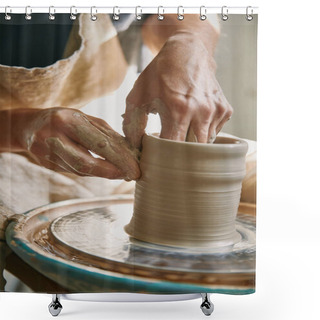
{"points": [[78, 160], [212, 134], [43, 155], [228, 110], [201, 120], [174, 124], [216, 126], [101, 122], [214, 129], [222, 123], [106, 143], [138, 102], [200, 130], [191, 137], [134, 123], [58, 164], [173, 130], [126, 156], [54, 163], [221, 116]]}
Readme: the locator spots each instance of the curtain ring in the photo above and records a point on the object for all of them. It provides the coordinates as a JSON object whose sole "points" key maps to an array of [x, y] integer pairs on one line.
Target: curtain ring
{"points": [[180, 13], [249, 17], [224, 13], [138, 15], [52, 11], [7, 12], [203, 13], [93, 15], [160, 15], [73, 13], [116, 16], [28, 13]]}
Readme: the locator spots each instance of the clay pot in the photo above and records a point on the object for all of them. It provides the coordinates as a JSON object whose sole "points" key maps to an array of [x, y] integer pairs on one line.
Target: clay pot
{"points": [[189, 193]]}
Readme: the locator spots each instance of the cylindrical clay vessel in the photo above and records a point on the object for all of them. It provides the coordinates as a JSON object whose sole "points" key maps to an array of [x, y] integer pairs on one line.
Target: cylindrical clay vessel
{"points": [[189, 193]]}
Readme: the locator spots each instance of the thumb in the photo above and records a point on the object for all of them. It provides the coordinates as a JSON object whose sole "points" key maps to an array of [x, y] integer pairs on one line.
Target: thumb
{"points": [[134, 123], [138, 103]]}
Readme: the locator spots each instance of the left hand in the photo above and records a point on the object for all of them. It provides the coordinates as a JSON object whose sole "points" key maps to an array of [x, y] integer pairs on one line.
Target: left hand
{"points": [[63, 139], [181, 86]]}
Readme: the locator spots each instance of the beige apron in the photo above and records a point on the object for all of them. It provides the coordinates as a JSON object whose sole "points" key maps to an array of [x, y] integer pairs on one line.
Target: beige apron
{"points": [[93, 66]]}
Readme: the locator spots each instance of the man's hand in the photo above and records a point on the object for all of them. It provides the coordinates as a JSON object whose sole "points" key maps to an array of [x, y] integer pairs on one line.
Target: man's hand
{"points": [[62, 140], [180, 85]]}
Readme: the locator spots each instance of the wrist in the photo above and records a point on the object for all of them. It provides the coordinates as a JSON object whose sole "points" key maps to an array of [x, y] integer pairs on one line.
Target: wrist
{"points": [[156, 33], [194, 39]]}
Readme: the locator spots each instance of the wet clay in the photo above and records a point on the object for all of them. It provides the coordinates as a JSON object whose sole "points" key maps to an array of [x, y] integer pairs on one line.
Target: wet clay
{"points": [[188, 193]]}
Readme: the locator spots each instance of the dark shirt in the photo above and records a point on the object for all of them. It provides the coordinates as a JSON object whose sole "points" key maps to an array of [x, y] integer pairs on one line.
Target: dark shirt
{"points": [[40, 42], [36, 43]]}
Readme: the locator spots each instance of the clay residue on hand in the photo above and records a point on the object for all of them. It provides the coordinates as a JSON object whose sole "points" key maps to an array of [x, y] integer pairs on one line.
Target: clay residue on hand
{"points": [[111, 146], [58, 148], [134, 124]]}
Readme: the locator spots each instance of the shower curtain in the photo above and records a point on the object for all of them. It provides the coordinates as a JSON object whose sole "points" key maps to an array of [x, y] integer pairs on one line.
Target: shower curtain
{"points": [[76, 96]]}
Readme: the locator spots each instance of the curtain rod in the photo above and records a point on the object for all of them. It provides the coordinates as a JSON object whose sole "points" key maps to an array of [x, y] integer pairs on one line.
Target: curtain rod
{"points": [[133, 10]]}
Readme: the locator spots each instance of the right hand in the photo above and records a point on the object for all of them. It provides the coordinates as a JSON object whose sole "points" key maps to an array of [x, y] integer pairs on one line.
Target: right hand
{"points": [[180, 85], [60, 139]]}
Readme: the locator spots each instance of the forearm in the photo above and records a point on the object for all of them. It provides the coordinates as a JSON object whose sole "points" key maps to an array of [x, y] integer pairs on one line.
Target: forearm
{"points": [[155, 33], [12, 123]]}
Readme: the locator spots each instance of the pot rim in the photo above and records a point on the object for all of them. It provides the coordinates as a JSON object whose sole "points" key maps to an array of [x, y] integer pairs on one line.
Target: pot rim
{"points": [[234, 143]]}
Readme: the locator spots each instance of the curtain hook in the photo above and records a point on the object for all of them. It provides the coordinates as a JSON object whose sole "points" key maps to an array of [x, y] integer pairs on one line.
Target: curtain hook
{"points": [[73, 13], [180, 13], [116, 16], [93, 15], [7, 12], [138, 15], [52, 11], [224, 13], [203, 13], [160, 15], [249, 17], [28, 13]]}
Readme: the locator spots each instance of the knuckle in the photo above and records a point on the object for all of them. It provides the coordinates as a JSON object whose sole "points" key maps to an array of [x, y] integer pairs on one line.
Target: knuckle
{"points": [[181, 109], [221, 108], [180, 104], [58, 116], [229, 111], [206, 111]]}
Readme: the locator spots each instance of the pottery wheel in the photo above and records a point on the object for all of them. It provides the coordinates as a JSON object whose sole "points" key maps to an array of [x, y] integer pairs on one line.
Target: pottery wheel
{"points": [[90, 236]]}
